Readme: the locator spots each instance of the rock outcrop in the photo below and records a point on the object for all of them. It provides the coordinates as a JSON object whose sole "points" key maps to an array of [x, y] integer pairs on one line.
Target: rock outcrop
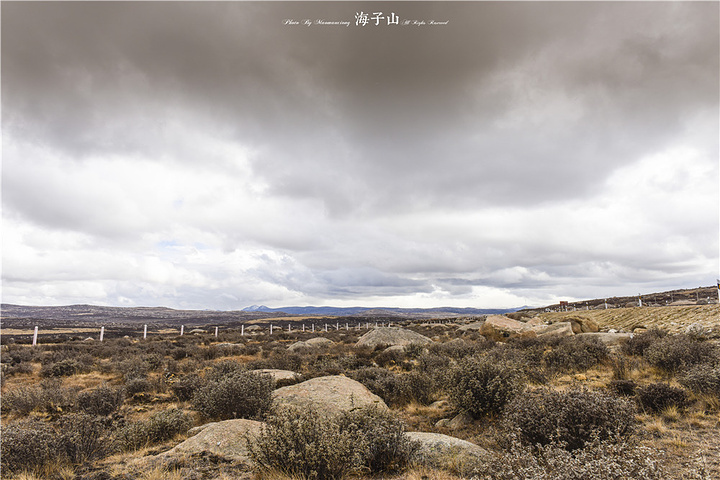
{"points": [[498, 327], [391, 336], [332, 394], [560, 329]]}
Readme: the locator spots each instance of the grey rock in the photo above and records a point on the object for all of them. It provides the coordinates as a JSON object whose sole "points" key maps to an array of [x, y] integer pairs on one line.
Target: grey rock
{"points": [[560, 329], [445, 452], [331, 394], [225, 439]]}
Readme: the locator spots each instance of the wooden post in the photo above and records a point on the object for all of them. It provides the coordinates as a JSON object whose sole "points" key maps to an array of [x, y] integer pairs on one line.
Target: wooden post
{"points": [[35, 336]]}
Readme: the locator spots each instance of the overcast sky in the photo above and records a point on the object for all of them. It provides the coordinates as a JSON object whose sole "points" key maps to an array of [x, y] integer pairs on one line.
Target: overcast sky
{"points": [[215, 155]]}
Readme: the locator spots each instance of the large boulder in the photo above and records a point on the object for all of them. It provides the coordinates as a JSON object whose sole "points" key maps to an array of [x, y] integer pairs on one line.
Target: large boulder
{"points": [[319, 342], [310, 344], [475, 326], [331, 394], [499, 327], [391, 336], [225, 439], [436, 450], [560, 329], [583, 325]]}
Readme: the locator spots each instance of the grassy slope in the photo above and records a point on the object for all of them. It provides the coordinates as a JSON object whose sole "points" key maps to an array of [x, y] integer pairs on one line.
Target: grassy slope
{"points": [[673, 319]]}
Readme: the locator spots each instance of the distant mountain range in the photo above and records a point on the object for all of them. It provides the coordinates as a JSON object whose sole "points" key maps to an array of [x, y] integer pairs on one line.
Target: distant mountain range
{"points": [[368, 311]]}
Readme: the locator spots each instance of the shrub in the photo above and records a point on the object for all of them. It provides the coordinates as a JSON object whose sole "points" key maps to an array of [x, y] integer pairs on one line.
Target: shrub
{"points": [[702, 378], [83, 437], [675, 352], [480, 387], [137, 385], [314, 445], [63, 368], [307, 445], [159, 427], [658, 396], [48, 396], [241, 395], [380, 439], [185, 387], [396, 389], [573, 417], [224, 368], [625, 388], [28, 445], [102, 400], [639, 343], [598, 460], [576, 354], [22, 400]]}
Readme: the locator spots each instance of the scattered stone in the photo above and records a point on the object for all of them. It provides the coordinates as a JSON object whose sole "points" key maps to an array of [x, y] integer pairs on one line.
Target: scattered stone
{"points": [[439, 404], [391, 336], [333, 394], [197, 331], [460, 420], [89, 339], [445, 452], [442, 423]]}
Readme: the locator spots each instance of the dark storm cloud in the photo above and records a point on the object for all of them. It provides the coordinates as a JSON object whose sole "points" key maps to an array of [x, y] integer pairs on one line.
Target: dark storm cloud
{"points": [[396, 110], [370, 161]]}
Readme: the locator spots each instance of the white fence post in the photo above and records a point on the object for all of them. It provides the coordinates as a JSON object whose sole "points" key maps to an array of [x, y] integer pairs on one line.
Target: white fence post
{"points": [[144, 332], [337, 326], [303, 328], [102, 333], [326, 327], [289, 328], [35, 336], [313, 328], [271, 329], [182, 330], [346, 327], [242, 330], [216, 331]]}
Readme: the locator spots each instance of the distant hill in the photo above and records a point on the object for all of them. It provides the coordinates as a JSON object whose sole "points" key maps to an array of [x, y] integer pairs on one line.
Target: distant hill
{"points": [[687, 296], [385, 311]]}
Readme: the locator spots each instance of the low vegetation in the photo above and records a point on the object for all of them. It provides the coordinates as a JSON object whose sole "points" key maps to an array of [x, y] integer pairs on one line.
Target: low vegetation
{"points": [[548, 407]]}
